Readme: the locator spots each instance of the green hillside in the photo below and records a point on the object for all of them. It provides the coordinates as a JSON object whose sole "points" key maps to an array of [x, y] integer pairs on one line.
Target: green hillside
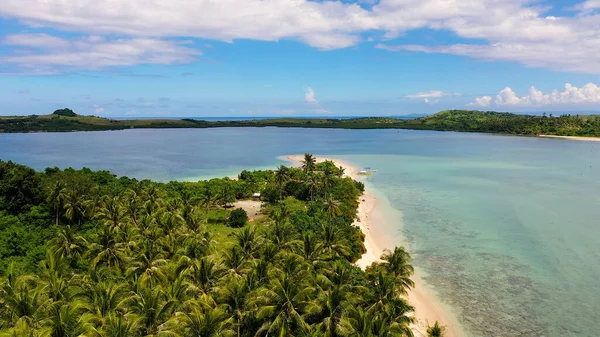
{"points": [[449, 120]]}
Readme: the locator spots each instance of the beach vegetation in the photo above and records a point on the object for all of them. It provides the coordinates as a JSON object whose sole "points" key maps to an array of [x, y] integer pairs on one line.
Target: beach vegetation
{"points": [[436, 330], [87, 253], [238, 218]]}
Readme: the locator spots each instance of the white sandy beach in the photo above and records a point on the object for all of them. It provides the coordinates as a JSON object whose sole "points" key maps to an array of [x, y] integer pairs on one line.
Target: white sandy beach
{"points": [[427, 308], [585, 139]]}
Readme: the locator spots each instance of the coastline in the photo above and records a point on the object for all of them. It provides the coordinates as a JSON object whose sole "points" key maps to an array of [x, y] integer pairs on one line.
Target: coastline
{"points": [[584, 139], [427, 308]]}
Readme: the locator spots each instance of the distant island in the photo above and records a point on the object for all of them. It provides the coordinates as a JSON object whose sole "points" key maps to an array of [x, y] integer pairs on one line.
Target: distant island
{"points": [[65, 120]]}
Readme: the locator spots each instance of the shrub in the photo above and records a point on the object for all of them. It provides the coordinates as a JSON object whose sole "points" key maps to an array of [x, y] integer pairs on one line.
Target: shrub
{"points": [[238, 218]]}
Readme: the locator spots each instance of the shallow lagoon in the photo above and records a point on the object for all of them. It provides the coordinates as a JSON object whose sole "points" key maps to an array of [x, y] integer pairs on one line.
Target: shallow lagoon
{"points": [[506, 228]]}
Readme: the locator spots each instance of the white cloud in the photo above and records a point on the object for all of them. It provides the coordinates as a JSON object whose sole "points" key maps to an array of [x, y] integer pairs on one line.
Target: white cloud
{"points": [[428, 96], [98, 109], [310, 98], [571, 95], [588, 5], [431, 94], [325, 25], [41, 52], [512, 31], [483, 101], [505, 30]]}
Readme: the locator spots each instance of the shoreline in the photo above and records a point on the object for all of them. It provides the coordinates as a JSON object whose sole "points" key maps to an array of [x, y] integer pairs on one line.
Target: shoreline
{"points": [[578, 138], [427, 308]]}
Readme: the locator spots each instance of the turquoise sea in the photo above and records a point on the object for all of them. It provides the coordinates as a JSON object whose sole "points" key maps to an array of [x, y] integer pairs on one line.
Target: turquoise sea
{"points": [[507, 229]]}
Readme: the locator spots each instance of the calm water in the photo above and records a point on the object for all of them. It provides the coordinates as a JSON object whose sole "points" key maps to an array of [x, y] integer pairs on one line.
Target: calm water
{"points": [[506, 228]]}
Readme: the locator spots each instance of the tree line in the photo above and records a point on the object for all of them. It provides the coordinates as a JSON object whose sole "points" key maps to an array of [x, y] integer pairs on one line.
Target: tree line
{"points": [[450, 120]]}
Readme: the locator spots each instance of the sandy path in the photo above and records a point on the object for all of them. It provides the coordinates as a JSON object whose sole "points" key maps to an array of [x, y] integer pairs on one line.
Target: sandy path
{"points": [[427, 308]]}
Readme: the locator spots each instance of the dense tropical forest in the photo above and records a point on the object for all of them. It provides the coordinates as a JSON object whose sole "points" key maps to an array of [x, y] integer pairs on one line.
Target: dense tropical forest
{"points": [[451, 120], [86, 253]]}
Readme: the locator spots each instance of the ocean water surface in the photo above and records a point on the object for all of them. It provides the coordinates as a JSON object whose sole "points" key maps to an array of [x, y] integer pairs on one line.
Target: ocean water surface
{"points": [[506, 229]]}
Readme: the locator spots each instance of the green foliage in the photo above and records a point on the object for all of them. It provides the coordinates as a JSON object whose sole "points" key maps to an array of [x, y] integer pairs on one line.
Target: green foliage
{"points": [[450, 120], [87, 253], [435, 330], [65, 112], [19, 187], [238, 218]]}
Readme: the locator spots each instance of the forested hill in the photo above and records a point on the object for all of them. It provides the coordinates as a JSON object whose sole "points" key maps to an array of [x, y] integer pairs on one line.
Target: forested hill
{"points": [[450, 120]]}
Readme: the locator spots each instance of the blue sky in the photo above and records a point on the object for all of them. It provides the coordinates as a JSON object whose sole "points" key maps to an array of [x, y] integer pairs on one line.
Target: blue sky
{"points": [[283, 57]]}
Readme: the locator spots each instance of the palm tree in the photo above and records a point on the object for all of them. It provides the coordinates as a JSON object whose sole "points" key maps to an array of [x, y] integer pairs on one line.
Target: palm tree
{"points": [[333, 241], [280, 234], [309, 163], [328, 178], [328, 310], [104, 297], [248, 240], [55, 281], [112, 211], [359, 323], [188, 202], [118, 325], [313, 185], [152, 306], [75, 207], [333, 207], [20, 297], [279, 306], [56, 195], [435, 330], [398, 264], [148, 267], [208, 198], [169, 221], [205, 273], [235, 261], [236, 295], [197, 245], [65, 320], [107, 250], [204, 320], [281, 175], [310, 248], [133, 205], [69, 244]]}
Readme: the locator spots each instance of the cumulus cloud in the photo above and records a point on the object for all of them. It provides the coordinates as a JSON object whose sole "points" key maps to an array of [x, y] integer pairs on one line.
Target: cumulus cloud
{"points": [[325, 25], [310, 98], [571, 95], [512, 31], [519, 31], [41, 52], [483, 101]]}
